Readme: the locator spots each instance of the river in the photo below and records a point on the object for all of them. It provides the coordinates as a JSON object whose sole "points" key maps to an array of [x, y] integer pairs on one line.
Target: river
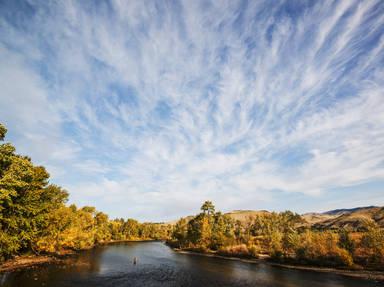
{"points": [[158, 265]]}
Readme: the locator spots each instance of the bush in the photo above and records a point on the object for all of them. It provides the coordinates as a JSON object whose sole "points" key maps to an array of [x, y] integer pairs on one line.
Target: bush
{"points": [[343, 258], [9, 245], [322, 249], [372, 247], [254, 250], [240, 250]]}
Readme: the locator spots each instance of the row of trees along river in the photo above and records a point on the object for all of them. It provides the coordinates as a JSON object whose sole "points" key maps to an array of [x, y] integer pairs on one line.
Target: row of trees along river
{"points": [[282, 237], [34, 218]]}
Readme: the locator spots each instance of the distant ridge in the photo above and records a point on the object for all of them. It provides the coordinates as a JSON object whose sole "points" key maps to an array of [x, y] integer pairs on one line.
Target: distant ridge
{"points": [[348, 210], [350, 218]]}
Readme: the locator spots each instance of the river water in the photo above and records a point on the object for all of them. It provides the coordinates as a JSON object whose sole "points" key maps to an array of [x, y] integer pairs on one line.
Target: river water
{"points": [[158, 265]]}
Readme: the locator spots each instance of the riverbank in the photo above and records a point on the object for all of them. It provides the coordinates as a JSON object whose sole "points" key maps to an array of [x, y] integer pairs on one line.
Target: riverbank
{"points": [[29, 261], [112, 265], [32, 261], [130, 240], [363, 274]]}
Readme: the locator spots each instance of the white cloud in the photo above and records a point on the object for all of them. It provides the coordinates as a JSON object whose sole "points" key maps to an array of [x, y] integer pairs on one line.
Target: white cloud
{"points": [[240, 87]]}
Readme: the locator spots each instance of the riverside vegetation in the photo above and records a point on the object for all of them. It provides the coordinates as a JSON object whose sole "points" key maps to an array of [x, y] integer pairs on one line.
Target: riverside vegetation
{"points": [[283, 237], [34, 219]]}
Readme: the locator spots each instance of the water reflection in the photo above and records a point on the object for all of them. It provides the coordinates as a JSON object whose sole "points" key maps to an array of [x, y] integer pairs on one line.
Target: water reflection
{"points": [[158, 265]]}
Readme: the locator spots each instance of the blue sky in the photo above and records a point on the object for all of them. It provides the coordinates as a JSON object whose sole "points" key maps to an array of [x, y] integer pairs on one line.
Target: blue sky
{"points": [[145, 109]]}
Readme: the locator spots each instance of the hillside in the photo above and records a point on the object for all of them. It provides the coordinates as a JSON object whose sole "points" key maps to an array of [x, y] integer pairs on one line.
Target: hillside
{"points": [[242, 215], [245, 215], [348, 210], [353, 218], [314, 218]]}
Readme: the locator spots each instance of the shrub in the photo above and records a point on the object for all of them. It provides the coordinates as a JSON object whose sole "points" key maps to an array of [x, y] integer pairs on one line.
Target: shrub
{"points": [[343, 257], [372, 246], [254, 250], [234, 250], [322, 249]]}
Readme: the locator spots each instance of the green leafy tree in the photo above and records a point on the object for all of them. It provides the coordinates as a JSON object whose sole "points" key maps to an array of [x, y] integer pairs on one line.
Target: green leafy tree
{"points": [[222, 231], [26, 199], [103, 233], [208, 208], [131, 228], [180, 232], [3, 132], [345, 241]]}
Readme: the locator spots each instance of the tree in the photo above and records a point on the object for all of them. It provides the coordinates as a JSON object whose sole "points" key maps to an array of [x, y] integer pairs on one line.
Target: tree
{"points": [[222, 231], [208, 208], [372, 244], [103, 233], [131, 228], [199, 231], [345, 241], [26, 199], [3, 131], [180, 232], [55, 236], [34, 217]]}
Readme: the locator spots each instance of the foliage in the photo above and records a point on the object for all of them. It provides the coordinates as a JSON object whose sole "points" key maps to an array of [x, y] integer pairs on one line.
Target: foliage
{"points": [[372, 246], [235, 250], [34, 217], [26, 200], [207, 230], [345, 241], [283, 236], [322, 248], [208, 208]]}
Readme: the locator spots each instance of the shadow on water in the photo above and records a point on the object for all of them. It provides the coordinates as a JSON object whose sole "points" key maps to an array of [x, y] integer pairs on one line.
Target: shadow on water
{"points": [[158, 265]]}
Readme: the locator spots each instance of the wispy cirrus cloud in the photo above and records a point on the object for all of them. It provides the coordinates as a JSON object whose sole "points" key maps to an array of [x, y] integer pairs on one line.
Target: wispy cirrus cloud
{"points": [[145, 109]]}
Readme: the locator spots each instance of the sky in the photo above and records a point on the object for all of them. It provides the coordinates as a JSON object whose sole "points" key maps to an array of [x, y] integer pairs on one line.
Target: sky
{"points": [[145, 109]]}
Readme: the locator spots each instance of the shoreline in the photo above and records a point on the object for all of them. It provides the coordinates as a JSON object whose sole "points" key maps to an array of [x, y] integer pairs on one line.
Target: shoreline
{"points": [[30, 261], [126, 240], [364, 274]]}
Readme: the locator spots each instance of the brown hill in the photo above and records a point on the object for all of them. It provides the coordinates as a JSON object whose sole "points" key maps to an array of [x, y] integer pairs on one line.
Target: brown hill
{"points": [[313, 218], [245, 215], [242, 215], [353, 219], [173, 222]]}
